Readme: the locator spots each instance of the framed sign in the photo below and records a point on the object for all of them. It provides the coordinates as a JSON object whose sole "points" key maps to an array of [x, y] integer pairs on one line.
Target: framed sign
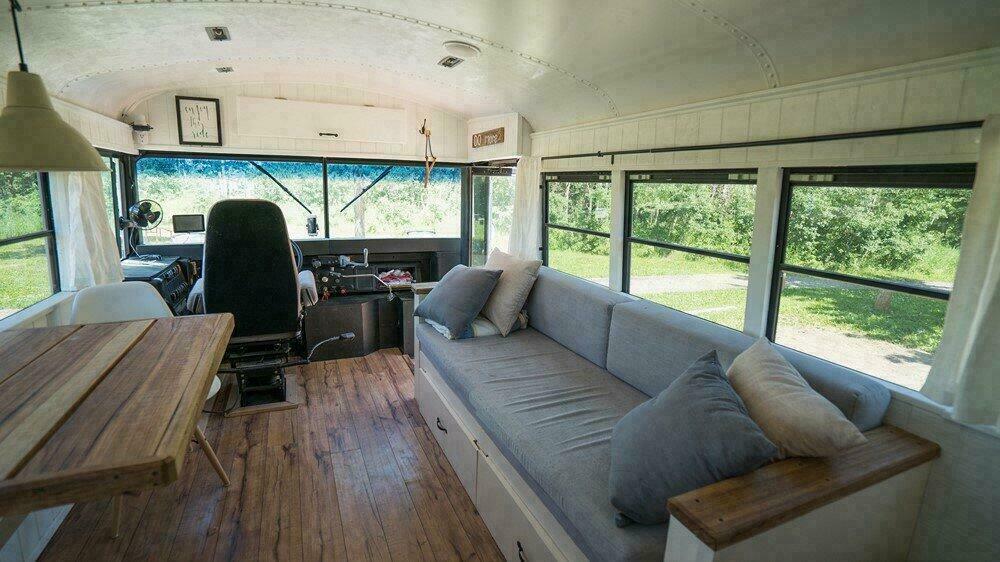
{"points": [[198, 121], [487, 138]]}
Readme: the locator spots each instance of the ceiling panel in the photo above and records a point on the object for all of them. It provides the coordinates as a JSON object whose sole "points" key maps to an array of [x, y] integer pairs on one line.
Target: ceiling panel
{"points": [[558, 62]]}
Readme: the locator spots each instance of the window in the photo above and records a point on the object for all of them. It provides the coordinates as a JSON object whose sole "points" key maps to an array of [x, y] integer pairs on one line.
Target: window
{"points": [[398, 205], [492, 211], [865, 263], [577, 235], [193, 185], [382, 200], [28, 268], [688, 241]]}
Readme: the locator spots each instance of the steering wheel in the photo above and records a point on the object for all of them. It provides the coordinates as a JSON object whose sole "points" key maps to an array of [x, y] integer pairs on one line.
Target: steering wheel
{"points": [[298, 256]]}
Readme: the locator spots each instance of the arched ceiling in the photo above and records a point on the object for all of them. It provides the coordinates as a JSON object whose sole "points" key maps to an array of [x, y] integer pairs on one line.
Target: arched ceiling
{"points": [[557, 62]]}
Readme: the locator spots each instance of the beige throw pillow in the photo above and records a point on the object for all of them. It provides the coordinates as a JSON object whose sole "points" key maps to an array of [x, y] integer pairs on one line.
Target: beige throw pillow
{"points": [[796, 418], [512, 289]]}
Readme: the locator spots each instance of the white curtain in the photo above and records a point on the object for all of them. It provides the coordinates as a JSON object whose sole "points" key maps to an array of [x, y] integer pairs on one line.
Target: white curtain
{"points": [[526, 227], [966, 371], [88, 254]]}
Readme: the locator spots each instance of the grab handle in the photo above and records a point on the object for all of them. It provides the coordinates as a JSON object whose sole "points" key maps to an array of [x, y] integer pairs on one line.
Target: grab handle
{"points": [[441, 427]]}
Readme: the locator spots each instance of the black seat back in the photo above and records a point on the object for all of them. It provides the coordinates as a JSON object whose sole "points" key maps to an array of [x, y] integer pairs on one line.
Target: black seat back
{"points": [[249, 269]]}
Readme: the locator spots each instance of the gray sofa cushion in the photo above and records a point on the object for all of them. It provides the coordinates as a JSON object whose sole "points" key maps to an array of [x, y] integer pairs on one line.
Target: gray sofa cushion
{"points": [[574, 312], [650, 345], [458, 297], [551, 412], [695, 433]]}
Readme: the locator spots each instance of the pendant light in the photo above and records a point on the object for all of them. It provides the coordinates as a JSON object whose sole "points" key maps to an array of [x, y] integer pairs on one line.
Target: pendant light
{"points": [[32, 135]]}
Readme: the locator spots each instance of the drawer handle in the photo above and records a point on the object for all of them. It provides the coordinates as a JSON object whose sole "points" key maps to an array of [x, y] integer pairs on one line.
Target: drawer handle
{"points": [[441, 427], [520, 552]]}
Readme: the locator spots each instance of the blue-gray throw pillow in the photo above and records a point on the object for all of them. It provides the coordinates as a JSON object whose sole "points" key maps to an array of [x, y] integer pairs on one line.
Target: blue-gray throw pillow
{"points": [[694, 433], [457, 299]]}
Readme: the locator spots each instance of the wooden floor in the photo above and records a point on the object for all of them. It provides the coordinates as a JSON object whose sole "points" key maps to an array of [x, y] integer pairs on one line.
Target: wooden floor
{"points": [[352, 474]]}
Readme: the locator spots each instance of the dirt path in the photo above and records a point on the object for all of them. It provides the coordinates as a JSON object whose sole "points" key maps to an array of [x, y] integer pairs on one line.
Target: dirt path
{"points": [[682, 283], [888, 361]]}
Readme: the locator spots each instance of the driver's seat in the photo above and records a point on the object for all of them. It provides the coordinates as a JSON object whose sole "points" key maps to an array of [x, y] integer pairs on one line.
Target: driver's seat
{"points": [[249, 270], [248, 259]]}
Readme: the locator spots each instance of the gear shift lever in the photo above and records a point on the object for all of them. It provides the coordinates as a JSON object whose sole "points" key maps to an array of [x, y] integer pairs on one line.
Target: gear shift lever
{"points": [[345, 261]]}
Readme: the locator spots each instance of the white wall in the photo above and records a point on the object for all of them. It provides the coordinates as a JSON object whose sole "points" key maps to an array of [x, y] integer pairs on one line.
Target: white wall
{"points": [[100, 130], [517, 137], [448, 130], [958, 520], [954, 89]]}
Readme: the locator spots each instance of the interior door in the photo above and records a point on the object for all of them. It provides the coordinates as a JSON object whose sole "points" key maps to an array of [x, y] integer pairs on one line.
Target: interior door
{"points": [[492, 211]]}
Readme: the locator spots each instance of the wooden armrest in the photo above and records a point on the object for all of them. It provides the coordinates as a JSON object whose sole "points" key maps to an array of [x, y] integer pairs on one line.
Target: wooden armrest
{"points": [[422, 288], [732, 510]]}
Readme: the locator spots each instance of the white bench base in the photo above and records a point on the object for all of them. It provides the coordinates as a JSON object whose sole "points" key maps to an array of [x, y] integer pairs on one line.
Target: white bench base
{"points": [[875, 523], [521, 525]]}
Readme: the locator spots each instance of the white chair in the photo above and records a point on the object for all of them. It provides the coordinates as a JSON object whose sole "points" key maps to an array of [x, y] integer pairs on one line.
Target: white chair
{"points": [[122, 302]]}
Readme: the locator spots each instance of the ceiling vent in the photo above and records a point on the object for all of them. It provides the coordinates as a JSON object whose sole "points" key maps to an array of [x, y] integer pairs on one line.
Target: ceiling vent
{"points": [[461, 49], [224, 69], [450, 62], [218, 33]]}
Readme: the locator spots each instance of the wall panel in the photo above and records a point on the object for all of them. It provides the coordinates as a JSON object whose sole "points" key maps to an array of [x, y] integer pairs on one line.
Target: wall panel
{"points": [[448, 130], [957, 88], [100, 130]]}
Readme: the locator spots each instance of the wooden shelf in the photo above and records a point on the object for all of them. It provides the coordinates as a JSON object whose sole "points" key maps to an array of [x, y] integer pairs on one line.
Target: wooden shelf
{"points": [[730, 511]]}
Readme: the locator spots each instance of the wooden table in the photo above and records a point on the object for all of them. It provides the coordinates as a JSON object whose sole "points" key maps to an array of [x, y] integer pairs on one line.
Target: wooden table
{"points": [[92, 411]]}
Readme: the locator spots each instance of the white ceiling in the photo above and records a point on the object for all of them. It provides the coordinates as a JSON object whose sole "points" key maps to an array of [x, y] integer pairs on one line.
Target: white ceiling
{"points": [[557, 62]]}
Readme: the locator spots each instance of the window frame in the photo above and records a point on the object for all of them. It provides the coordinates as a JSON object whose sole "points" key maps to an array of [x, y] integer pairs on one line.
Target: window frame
{"points": [[488, 172], [118, 183], [678, 176], [131, 193], [548, 177], [942, 176], [48, 232]]}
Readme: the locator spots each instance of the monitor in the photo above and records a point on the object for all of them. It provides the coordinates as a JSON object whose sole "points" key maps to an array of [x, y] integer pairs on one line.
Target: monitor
{"points": [[189, 223]]}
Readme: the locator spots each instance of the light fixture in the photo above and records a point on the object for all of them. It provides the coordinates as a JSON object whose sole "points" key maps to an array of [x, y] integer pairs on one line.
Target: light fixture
{"points": [[32, 135], [461, 49]]}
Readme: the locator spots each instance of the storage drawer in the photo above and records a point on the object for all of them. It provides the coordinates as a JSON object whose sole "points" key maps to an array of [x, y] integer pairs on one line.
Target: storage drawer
{"points": [[512, 530], [455, 441]]}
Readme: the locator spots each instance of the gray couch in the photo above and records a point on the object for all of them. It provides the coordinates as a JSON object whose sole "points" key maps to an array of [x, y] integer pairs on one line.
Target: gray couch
{"points": [[550, 395]]}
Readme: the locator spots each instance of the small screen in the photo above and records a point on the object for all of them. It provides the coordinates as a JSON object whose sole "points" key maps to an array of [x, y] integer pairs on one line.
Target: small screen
{"points": [[189, 223]]}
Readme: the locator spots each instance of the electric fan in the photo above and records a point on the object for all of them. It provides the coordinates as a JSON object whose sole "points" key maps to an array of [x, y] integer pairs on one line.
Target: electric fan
{"points": [[143, 215]]}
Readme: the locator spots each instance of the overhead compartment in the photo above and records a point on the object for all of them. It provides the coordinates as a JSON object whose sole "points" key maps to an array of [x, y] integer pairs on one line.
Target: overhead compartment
{"points": [[266, 117]]}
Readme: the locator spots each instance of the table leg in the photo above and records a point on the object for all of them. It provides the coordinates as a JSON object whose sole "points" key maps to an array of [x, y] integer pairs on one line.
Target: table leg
{"points": [[210, 453], [116, 515]]}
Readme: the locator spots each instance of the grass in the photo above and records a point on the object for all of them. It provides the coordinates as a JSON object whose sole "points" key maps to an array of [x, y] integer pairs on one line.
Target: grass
{"points": [[913, 322], [936, 264], [24, 276], [593, 266], [726, 307]]}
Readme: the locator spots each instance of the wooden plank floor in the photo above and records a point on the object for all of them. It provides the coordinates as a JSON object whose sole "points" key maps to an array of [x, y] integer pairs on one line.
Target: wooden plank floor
{"points": [[352, 474]]}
